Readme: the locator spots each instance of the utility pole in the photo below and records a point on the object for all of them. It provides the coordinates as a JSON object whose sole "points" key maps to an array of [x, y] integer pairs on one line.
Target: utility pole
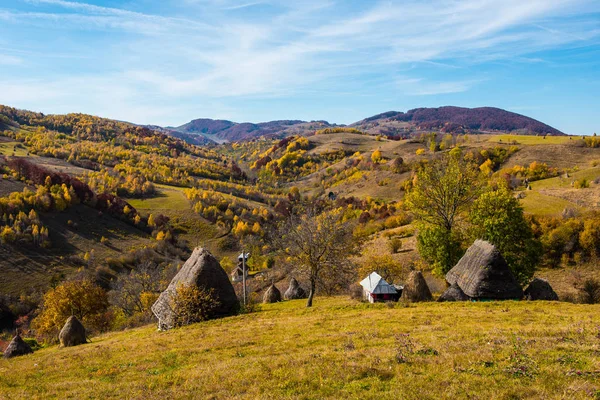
{"points": [[244, 274]]}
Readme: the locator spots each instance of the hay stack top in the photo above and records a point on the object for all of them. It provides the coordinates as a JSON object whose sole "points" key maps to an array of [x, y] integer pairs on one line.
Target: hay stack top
{"points": [[72, 333], [294, 291], [272, 295], [415, 288], [201, 270], [17, 347], [540, 289], [482, 273]]}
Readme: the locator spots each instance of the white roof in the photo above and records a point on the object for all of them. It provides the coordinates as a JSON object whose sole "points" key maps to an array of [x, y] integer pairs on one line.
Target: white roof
{"points": [[375, 284]]}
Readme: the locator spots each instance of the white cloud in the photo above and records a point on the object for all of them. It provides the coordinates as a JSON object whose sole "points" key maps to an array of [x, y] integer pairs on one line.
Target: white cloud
{"points": [[209, 50], [422, 87], [6, 59]]}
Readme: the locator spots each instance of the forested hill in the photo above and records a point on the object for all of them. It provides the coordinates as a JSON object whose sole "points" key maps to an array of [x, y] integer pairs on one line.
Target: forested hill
{"points": [[456, 120], [393, 123]]}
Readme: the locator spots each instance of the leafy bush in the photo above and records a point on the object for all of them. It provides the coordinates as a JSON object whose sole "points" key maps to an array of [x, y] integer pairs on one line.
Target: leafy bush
{"points": [[581, 184], [589, 291], [395, 244], [191, 304]]}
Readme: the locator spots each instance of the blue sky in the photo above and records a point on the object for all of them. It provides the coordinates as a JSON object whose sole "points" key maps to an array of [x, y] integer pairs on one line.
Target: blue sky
{"points": [[167, 62]]}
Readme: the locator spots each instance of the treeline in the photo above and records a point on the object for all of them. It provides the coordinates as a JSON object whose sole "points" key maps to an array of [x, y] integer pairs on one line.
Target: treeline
{"points": [[120, 184], [228, 212], [58, 191]]}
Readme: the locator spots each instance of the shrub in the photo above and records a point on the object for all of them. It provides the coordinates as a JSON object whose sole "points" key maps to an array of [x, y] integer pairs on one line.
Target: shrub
{"points": [[191, 304], [356, 292], [589, 291], [581, 184], [395, 244]]}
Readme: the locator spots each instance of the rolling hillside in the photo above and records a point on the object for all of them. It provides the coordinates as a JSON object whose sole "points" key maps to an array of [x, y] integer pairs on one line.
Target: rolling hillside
{"points": [[453, 120], [393, 123], [338, 349]]}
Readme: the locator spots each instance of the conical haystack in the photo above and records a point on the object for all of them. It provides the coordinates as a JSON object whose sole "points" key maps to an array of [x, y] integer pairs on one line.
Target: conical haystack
{"points": [[201, 270], [295, 291], [482, 273], [453, 293], [17, 347], [540, 289], [415, 288], [272, 295], [73, 333]]}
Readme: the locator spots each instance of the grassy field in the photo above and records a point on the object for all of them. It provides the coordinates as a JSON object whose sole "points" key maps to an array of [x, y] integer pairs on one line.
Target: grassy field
{"points": [[338, 349], [551, 196], [562, 182], [529, 140], [168, 198], [13, 149], [541, 204]]}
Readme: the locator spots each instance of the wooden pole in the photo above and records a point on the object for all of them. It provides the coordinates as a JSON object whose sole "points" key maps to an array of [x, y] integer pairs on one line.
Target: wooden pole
{"points": [[244, 274]]}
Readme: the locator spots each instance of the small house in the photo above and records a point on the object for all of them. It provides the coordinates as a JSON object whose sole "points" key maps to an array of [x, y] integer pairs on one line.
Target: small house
{"points": [[243, 257], [375, 289], [237, 275]]}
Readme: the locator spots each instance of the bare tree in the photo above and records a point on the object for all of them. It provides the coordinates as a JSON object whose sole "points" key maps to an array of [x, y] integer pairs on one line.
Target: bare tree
{"points": [[321, 245], [128, 289]]}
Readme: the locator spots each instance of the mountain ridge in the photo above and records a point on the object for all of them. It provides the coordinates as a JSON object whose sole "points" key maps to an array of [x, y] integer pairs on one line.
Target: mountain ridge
{"points": [[446, 119]]}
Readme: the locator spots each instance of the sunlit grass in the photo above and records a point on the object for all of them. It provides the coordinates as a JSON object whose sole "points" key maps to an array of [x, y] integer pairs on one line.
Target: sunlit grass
{"points": [[13, 149], [338, 349], [167, 198], [563, 182], [530, 140]]}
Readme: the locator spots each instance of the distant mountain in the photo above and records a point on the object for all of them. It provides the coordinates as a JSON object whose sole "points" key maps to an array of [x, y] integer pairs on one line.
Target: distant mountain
{"points": [[453, 120], [392, 123], [225, 131]]}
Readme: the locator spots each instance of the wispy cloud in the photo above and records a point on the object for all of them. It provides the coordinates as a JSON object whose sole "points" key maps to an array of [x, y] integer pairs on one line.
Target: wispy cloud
{"points": [[422, 87], [216, 49], [10, 60]]}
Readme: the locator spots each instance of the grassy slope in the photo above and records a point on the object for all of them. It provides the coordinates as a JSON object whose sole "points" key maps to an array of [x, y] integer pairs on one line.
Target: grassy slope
{"points": [[529, 140], [25, 267], [338, 349], [552, 196]]}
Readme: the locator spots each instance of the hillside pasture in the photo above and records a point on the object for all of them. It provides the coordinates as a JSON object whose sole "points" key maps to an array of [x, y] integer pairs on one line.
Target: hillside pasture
{"points": [[337, 349], [551, 196], [531, 139], [167, 198], [12, 148]]}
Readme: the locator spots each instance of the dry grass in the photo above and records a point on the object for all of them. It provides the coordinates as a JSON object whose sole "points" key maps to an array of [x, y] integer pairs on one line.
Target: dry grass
{"points": [[551, 196], [338, 349], [529, 140]]}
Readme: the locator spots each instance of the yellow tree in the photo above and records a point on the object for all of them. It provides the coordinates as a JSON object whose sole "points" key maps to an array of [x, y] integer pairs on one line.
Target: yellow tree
{"points": [[83, 299], [376, 157]]}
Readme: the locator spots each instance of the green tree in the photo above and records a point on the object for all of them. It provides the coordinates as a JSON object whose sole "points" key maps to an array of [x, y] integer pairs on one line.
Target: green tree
{"points": [[589, 238], [442, 192], [498, 218]]}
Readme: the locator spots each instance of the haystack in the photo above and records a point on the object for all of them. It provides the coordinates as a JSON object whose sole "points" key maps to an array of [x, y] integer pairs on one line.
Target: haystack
{"points": [[483, 274], [17, 347], [201, 270], [295, 291], [540, 289], [453, 293], [415, 288], [272, 295], [73, 333]]}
